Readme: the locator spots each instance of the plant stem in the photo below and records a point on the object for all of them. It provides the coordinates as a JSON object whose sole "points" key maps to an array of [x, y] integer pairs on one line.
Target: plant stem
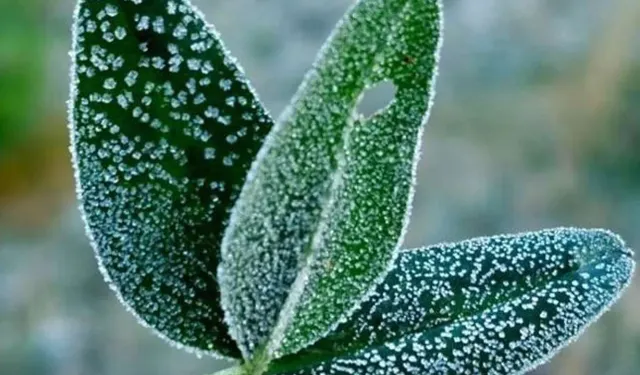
{"points": [[258, 364], [235, 370]]}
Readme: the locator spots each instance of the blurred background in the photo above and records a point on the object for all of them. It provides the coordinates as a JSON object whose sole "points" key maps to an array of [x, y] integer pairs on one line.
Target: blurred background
{"points": [[536, 124]]}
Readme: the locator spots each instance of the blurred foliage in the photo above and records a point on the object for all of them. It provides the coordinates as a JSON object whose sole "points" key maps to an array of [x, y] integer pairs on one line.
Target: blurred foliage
{"points": [[619, 156], [21, 66], [537, 124]]}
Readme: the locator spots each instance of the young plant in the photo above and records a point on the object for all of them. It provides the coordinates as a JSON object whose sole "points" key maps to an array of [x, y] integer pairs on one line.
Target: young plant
{"points": [[276, 243]]}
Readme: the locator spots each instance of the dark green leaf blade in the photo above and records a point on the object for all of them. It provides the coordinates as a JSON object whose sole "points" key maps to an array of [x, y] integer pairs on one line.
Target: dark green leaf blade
{"points": [[493, 305], [164, 127], [320, 220]]}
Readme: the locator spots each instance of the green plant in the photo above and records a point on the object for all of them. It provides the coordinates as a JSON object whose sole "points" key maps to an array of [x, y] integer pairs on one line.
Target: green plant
{"points": [[277, 243]]}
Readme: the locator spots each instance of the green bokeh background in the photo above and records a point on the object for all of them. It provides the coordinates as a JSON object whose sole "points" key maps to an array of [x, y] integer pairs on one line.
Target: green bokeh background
{"points": [[536, 124]]}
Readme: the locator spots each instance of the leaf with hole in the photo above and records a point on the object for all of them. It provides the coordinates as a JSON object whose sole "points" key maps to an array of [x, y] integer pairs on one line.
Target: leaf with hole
{"points": [[491, 305], [326, 204], [164, 127]]}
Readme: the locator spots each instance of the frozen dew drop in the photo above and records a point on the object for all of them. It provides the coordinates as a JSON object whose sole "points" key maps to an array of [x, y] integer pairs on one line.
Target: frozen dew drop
{"points": [[109, 83], [210, 153]]}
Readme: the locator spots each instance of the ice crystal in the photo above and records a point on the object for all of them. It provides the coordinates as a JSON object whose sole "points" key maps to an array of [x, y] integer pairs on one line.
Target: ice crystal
{"points": [[492, 305], [326, 203], [149, 150]]}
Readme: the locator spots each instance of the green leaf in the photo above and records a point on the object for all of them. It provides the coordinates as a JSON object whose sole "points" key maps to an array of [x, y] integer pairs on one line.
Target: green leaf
{"points": [[326, 203], [164, 127], [492, 305]]}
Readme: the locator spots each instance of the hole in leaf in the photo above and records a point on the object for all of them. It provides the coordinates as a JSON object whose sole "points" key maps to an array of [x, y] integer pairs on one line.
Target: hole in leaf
{"points": [[376, 98]]}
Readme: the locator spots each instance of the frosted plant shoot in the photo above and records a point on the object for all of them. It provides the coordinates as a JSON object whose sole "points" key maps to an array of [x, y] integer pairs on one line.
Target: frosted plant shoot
{"points": [[277, 243]]}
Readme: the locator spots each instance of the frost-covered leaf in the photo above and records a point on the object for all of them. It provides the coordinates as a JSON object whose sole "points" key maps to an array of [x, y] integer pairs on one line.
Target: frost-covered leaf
{"points": [[326, 203], [164, 129], [494, 305]]}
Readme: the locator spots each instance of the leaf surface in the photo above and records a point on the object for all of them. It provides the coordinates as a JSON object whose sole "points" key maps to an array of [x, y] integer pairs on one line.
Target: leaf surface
{"points": [[326, 203], [164, 127], [490, 305]]}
